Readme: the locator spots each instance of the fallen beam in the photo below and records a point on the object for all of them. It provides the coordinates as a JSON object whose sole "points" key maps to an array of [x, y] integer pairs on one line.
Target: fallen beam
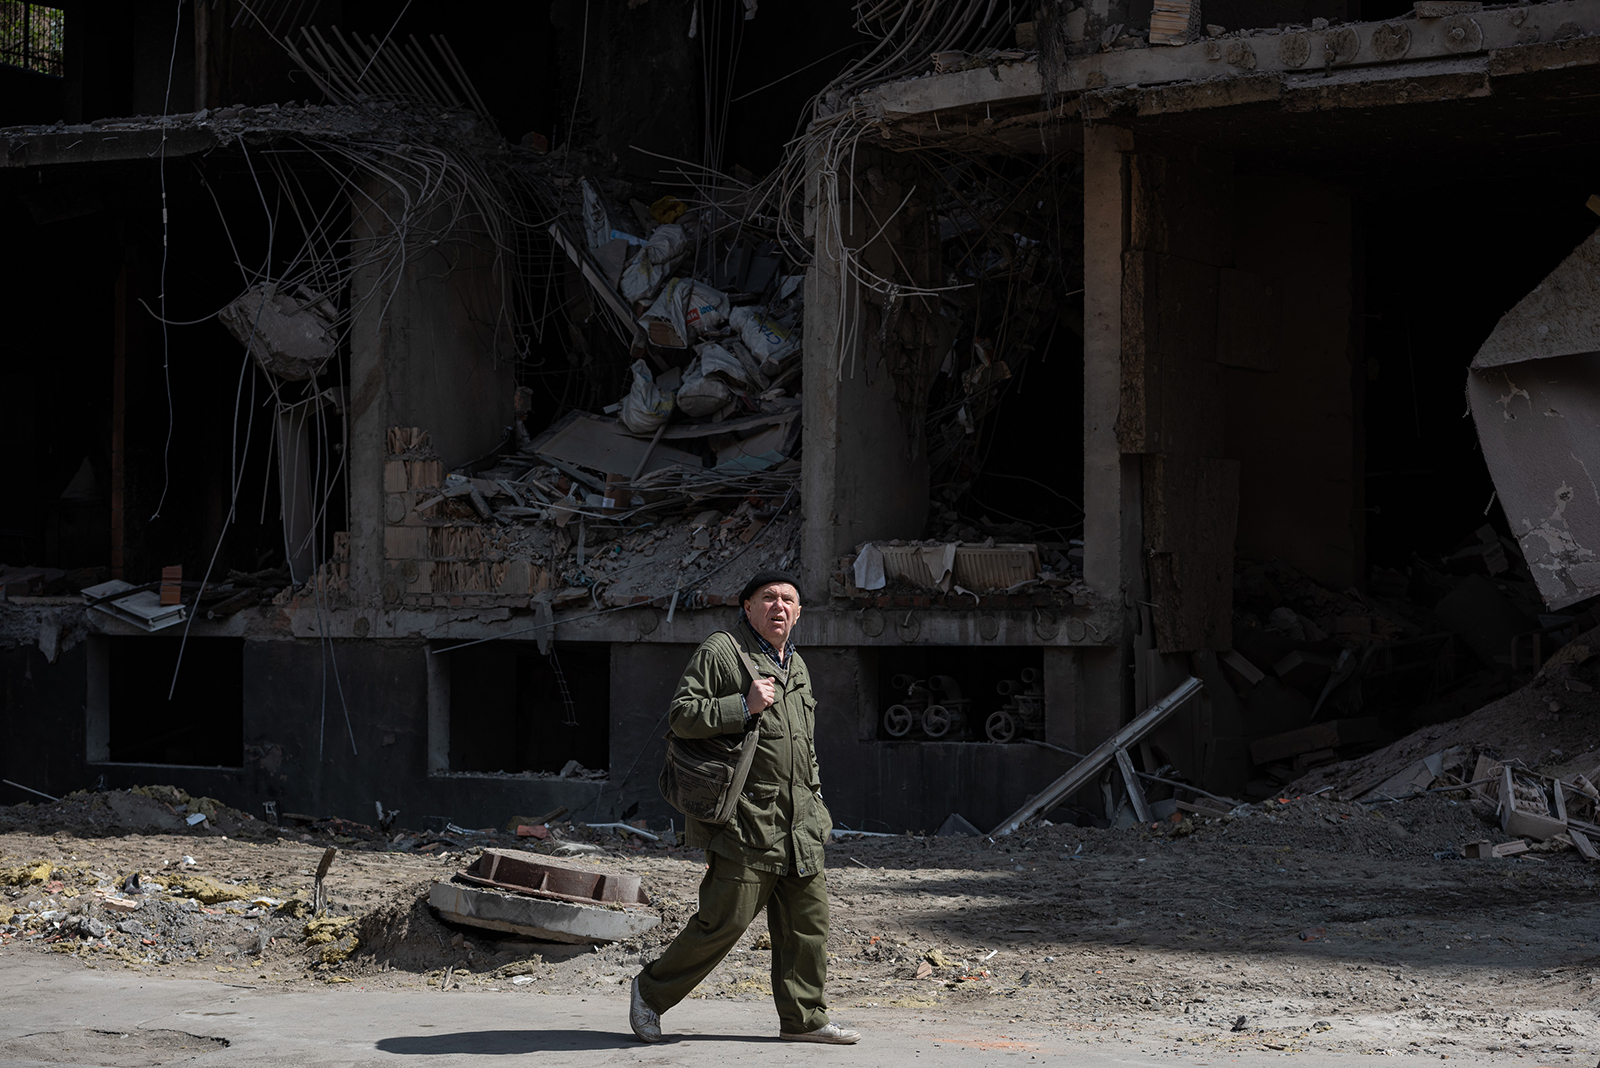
{"points": [[1087, 768]]}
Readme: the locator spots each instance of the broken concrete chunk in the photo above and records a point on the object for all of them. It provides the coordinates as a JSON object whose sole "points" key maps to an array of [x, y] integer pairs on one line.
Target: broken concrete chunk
{"points": [[1532, 387], [554, 921], [957, 824], [291, 336]]}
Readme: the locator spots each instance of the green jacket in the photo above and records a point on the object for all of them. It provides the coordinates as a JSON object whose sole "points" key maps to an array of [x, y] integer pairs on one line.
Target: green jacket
{"points": [[781, 822]]}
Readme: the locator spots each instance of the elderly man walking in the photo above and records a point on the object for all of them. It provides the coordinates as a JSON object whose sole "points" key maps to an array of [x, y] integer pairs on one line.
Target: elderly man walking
{"points": [[770, 854]]}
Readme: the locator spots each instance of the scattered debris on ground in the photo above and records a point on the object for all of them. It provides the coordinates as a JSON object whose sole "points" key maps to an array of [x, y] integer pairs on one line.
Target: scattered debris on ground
{"points": [[1322, 922]]}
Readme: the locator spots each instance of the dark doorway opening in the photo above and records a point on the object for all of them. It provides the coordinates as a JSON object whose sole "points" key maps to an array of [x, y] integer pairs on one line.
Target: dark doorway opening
{"points": [[515, 710], [202, 724]]}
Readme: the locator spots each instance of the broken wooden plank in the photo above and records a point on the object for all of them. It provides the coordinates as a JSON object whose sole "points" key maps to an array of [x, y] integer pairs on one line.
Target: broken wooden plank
{"points": [[1086, 769], [624, 322], [512, 491], [1141, 807], [1248, 671], [1585, 847], [319, 893], [1485, 769]]}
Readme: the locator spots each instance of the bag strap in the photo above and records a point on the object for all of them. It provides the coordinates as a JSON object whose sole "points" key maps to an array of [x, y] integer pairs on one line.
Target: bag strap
{"points": [[781, 673], [744, 657], [747, 747]]}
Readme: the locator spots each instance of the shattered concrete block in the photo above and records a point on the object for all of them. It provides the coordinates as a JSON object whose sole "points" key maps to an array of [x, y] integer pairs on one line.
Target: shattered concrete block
{"points": [[291, 336]]}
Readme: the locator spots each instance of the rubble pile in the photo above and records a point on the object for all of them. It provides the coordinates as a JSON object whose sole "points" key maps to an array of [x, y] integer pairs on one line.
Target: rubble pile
{"points": [[648, 501], [182, 911], [141, 810], [168, 916], [1545, 726], [1435, 826], [1426, 645]]}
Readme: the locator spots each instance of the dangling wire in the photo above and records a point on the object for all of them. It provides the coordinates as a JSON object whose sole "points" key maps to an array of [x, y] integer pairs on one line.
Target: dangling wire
{"points": [[166, 243]]}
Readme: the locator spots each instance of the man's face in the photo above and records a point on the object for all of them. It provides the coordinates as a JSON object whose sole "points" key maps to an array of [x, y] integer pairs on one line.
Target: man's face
{"points": [[773, 611]]}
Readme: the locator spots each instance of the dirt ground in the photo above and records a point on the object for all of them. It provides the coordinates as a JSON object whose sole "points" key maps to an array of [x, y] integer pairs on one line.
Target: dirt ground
{"points": [[1297, 924]]}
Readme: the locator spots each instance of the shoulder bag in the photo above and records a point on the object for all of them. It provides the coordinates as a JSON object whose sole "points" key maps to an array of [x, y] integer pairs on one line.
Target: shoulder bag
{"points": [[703, 777]]}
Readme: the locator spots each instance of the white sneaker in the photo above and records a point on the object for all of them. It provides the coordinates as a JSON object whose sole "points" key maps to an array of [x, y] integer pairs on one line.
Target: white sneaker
{"points": [[830, 1033], [645, 1021]]}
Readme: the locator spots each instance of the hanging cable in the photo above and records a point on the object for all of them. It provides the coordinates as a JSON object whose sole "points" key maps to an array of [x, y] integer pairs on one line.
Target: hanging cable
{"points": [[166, 242]]}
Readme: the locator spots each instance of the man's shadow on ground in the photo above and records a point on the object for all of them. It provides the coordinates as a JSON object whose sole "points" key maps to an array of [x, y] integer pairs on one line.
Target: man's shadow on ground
{"points": [[492, 1043]]}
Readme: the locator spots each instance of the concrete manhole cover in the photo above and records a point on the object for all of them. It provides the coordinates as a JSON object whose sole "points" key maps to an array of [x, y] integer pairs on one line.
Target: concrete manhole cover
{"points": [[111, 1049]]}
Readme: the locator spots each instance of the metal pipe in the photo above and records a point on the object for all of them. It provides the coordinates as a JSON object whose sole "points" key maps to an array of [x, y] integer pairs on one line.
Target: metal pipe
{"points": [[30, 790]]}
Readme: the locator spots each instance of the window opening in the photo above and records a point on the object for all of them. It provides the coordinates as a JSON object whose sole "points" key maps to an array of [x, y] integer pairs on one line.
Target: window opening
{"points": [[31, 36], [131, 720], [514, 711], [570, 708]]}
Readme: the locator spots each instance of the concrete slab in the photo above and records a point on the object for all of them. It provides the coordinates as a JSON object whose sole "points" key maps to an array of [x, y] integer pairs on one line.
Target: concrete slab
{"points": [[555, 921], [354, 1027]]}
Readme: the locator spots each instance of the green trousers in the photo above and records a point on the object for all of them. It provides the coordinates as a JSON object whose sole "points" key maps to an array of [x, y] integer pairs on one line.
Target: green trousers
{"points": [[731, 895]]}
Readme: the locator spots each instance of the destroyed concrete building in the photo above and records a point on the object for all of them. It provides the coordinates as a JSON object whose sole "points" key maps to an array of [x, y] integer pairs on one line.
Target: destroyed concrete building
{"points": [[1067, 353]]}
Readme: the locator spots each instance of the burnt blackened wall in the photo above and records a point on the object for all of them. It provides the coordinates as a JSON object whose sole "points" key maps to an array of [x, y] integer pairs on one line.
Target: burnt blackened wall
{"points": [[1290, 421], [42, 720], [331, 727], [298, 748]]}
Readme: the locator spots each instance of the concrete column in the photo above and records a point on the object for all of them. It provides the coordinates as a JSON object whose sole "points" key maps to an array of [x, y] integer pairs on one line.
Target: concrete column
{"points": [[1105, 472], [1110, 480], [824, 320]]}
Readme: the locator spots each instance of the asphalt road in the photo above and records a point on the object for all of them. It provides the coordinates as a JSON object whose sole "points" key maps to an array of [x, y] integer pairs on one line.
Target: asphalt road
{"points": [[61, 1013]]}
